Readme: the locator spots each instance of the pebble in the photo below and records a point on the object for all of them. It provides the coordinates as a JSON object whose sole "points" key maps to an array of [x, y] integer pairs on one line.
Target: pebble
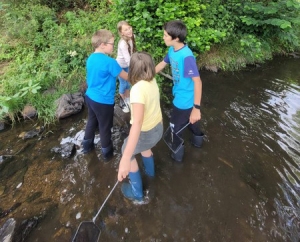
{"points": [[78, 215], [19, 185], [126, 230]]}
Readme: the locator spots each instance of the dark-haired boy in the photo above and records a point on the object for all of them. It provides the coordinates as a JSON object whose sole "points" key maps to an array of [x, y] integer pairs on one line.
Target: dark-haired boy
{"points": [[187, 84]]}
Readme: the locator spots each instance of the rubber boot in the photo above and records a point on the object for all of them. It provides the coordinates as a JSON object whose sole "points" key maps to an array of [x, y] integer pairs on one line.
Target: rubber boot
{"points": [[197, 140], [88, 145], [108, 152], [178, 156], [149, 165], [134, 189]]}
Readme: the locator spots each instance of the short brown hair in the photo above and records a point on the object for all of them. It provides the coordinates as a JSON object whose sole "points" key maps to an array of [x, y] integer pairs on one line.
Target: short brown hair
{"points": [[101, 36], [141, 67]]}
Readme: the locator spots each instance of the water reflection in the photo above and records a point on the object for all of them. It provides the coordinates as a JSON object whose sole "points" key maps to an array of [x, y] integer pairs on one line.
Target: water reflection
{"points": [[267, 119]]}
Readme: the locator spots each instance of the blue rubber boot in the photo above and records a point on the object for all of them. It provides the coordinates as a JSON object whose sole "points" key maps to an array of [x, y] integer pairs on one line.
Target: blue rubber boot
{"points": [[197, 140], [149, 165], [108, 152], [133, 190], [88, 145], [178, 156]]}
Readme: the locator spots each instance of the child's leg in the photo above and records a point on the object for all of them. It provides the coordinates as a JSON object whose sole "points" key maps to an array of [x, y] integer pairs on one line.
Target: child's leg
{"points": [[124, 95], [124, 91], [134, 189], [92, 123], [105, 115], [127, 93], [123, 85], [148, 162], [179, 118], [197, 138], [146, 141]]}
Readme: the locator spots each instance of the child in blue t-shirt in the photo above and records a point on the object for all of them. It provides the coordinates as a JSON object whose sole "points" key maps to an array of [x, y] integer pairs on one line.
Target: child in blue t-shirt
{"points": [[102, 71], [187, 88]]}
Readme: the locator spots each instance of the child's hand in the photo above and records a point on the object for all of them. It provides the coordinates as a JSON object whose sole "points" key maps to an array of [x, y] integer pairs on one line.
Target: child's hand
{"points": [[195, 115], [124, 168]]}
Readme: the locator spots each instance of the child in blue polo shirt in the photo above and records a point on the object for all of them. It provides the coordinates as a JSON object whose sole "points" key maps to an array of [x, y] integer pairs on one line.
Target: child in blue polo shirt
{"points": [[187, 88], [102, 71]]}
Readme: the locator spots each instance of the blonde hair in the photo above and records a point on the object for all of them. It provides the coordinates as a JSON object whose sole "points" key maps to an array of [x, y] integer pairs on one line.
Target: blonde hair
{"points": [[101, 36], [119, 27], [141, 67]]}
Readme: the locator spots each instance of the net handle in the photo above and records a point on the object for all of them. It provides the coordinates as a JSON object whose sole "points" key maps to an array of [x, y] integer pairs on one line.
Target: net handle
{"points": [[94, 218], [182, 128]]}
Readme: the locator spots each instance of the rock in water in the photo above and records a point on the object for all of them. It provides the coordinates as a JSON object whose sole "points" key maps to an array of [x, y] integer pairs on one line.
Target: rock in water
{"points": [[7, 230]]}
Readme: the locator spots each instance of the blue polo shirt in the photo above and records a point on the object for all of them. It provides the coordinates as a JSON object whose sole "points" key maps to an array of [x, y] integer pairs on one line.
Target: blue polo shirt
{"points": [[184, 67], [102, 71]]}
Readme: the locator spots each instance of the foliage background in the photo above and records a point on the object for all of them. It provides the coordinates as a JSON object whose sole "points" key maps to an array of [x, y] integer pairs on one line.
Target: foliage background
{"points": [[44, 43]]}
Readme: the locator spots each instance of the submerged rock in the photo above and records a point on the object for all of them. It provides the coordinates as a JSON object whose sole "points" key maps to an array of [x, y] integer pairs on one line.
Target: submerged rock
{"points": [[26, 227], [32, 133], [2, 125], [65, 150], [7, 230]]}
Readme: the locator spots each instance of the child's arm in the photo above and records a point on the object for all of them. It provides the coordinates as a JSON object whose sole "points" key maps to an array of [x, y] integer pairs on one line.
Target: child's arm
{"points": [[123, 74], [196, 113], [160, 66], [134, 134]]}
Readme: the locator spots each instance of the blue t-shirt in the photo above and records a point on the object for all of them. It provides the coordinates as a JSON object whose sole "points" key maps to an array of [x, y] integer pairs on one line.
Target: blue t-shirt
{"points": [[184, 67], [102, 71]]}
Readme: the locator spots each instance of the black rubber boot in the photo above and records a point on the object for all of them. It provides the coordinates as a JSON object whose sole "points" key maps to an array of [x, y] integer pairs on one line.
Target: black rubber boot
{"points": [[88, 145], [108, 152], [197, 140], [178, 156]]}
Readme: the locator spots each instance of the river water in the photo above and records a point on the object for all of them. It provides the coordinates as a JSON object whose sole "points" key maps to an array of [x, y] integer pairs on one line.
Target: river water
{"points": [[242, 185]]}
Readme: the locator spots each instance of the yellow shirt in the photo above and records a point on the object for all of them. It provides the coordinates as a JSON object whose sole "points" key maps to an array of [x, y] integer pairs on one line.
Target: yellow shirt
{"points": [[147, 93]]}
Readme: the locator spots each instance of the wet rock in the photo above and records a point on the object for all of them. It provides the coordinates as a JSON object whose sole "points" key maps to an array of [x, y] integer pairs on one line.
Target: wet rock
{"points": [[29, 112], [32, 133], [295, 55], [7, 230], [120, 118], [2, 189], [69, 104], [212, 68], [25, 229], [66, 150], [4, 213], [2, 125], [33, 197]]}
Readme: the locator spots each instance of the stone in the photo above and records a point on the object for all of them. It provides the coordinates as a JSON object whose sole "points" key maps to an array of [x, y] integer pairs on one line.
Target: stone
{"points": [[66, 150], [29, 112], [212, 68], [7, 230], [2, 125], [69, 104], [32, 133]]}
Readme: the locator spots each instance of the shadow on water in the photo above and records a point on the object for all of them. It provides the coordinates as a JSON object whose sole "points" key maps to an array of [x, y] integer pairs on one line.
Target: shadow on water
{"points": [[242, 185]]}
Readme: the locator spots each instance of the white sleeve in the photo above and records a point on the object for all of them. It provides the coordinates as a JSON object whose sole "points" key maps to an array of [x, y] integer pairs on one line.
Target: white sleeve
{"points": [[125, 52]]}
